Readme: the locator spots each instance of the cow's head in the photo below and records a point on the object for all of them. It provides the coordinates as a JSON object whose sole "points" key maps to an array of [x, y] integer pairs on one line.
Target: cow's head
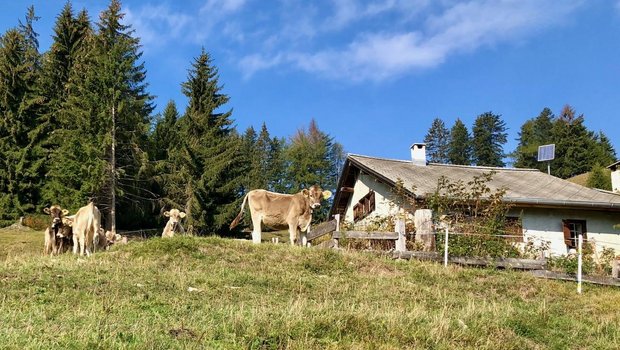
{"points": [[175, 216], [57, 213], [315, 194]]}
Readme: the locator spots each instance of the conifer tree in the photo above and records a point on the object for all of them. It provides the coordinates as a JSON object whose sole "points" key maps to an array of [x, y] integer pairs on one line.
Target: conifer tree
{"points": [[600, 178], [165, 136], [460, 144], [489, 137], [20, 162], [438, 142], [534, 133], [210, 154]]}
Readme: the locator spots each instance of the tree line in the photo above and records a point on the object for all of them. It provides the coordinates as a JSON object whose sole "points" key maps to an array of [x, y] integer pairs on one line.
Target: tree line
{"points": [[577, 149], [77, 124]]}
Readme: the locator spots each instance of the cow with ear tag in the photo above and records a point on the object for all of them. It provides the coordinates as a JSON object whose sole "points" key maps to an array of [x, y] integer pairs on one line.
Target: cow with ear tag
{"points": [[174, 223], [279, 211], [51, 241]]}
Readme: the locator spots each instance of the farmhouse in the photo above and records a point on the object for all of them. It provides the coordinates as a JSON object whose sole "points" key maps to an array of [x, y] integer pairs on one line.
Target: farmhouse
{"points": [[545, 207], [615, 176]]}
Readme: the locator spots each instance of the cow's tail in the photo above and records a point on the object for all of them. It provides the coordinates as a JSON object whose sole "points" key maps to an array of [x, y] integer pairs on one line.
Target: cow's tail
{"points": [[240, 216]]}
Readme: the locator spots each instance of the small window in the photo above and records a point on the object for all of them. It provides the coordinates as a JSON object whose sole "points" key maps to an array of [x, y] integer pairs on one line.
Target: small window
{"points": [[572, 229], [514, 229], [365, 206]]}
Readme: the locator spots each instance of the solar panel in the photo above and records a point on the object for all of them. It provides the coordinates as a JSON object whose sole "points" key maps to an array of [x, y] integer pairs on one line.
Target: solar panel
{"points": [[546, 152]]}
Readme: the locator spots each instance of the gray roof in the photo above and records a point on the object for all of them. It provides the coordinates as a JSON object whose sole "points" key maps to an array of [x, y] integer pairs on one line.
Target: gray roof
{"points": [[527, 187]]}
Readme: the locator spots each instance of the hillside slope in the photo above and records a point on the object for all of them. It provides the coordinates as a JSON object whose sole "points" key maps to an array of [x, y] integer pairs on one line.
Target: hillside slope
{"points": [[196, 293]]}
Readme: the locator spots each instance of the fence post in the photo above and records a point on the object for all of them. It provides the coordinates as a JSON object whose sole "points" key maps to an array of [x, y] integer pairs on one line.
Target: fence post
{"points": [[337, 216], [579, 263], [445, 249], [423, 221], [615, 268], [401, 242]]}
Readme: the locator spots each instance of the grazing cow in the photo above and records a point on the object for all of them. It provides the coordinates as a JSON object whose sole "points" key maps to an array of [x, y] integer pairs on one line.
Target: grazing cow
{"points": [[174, 223], [51, 242], [86, 224], [280, 211]]}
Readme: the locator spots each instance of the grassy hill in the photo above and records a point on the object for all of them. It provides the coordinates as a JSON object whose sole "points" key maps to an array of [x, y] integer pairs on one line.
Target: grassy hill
{"points": [[197, 293]]}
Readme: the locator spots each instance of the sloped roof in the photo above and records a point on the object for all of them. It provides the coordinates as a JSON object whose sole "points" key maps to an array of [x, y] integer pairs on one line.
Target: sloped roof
{"points": [[527, 187]]}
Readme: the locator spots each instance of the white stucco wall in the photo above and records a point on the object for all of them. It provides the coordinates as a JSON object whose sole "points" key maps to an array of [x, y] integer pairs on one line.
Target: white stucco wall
{"points": [[615, 180], [383, 198], [546, 224]]}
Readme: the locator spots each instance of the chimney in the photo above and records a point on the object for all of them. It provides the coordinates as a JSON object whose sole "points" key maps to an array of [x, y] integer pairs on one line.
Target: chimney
{"points": [[418, 154], [615, 176]]}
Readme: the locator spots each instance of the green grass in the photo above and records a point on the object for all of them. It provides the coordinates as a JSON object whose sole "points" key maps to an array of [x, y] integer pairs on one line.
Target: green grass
{"points": [[275, 296]]}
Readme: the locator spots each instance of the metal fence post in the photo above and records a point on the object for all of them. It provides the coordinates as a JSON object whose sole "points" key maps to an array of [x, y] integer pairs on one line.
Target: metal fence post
{"points": [[401, 243], [445, 249], [579, 264], [337, 216]]}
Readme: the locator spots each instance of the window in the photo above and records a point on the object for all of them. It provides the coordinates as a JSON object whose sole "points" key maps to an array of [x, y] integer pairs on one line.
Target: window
{"points": [[513, 227], [572, 229], [365, 206]]}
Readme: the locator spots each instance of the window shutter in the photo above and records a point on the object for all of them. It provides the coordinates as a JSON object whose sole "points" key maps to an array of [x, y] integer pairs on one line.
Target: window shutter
{"points": [[566, 230], [372, 202], [585, 231]]}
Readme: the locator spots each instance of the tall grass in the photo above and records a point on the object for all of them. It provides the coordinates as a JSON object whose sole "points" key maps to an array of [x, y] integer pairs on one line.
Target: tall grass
{"points": [[196, 293]]}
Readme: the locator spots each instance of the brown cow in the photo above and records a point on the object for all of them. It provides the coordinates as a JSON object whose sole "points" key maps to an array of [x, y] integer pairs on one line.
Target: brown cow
{"points": [[51, 245], [87, 224], [280, 211], [174, 223]]}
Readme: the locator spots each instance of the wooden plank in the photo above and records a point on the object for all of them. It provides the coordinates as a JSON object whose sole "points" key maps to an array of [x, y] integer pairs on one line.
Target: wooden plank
{"points": [[512, 263], [346, 189], [322, 229], [366, 235], [607, 281]]}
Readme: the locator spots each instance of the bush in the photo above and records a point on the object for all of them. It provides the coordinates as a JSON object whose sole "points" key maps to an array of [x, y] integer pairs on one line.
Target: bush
{"points": [[37, 222]]}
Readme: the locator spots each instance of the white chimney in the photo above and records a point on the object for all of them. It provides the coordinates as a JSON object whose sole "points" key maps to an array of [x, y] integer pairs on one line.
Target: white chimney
{"points": [[418, 154], [615, 176]]}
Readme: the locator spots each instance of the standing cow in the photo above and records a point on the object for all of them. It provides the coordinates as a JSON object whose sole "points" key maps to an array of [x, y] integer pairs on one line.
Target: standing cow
{"points": [[280, 211], [52, 241], [174, 223], [87, 224]]}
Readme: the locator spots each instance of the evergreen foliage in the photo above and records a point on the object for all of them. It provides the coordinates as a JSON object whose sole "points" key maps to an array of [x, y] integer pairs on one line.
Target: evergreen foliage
{"points": [[460, 151], [534, 133], [599, 178], [438, 142], [489, 137], [209, 158]]}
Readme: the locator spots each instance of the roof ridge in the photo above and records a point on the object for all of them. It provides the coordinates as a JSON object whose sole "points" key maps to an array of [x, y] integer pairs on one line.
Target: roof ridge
{"points": [[447, 165]]}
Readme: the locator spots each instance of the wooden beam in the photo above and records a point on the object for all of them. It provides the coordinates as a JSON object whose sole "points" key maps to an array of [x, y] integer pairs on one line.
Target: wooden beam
{"points": [[346, 189], [321, 230], [366, 235]]}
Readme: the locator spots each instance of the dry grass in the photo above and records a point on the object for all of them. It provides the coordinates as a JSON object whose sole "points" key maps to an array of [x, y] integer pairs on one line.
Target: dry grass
{"points": [[244, 296]]}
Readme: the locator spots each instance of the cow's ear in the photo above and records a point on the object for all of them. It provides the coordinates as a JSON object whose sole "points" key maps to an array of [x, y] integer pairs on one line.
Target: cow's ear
{"points": [[65, 212], [46, 210], [167, 214], [181, 214], [326, 194], [305, 192]]}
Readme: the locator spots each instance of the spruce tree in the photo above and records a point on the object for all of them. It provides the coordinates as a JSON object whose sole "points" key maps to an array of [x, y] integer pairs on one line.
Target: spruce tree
{"points": [[210, 155], [600, 178], [459, 152], [534, 133], [575, 146], [489, 137], [165, 135], [19, 103], [438, 142]]}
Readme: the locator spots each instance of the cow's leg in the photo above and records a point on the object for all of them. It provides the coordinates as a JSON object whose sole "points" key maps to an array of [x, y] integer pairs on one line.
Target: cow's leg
{"points": [[256, 229], [304, 237], [292, 233], [76, 243]]}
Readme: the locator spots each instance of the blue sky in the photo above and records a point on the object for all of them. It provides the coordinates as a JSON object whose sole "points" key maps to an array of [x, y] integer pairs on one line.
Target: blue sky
{"points": [[374, 74]]}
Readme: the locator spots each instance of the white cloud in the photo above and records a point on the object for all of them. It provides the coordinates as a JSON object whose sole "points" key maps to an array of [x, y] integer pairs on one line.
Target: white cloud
{"points": [[222, 6], [156, 25], [460, 27]]}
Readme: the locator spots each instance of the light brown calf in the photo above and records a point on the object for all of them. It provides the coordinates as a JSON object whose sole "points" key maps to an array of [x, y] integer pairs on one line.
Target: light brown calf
{"points": [[51, 244], [174, 223], [280, 211]]}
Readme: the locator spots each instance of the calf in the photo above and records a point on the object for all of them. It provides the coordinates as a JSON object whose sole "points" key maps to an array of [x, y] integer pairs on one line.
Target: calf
{"points": [[86, 224], [279, 211], [174, 223], [50, 245]]}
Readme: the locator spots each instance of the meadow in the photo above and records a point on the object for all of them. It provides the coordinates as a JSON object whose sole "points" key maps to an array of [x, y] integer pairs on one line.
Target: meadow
{"points": [[216, 293]]}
